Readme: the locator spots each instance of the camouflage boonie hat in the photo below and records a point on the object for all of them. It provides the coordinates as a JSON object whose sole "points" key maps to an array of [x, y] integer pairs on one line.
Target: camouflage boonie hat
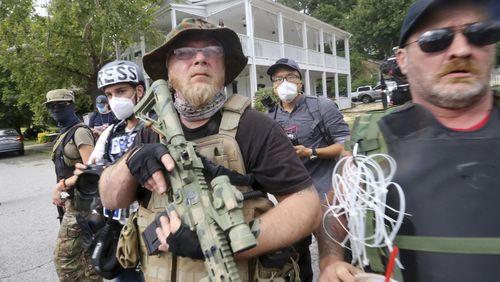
{"points": [[57, 95], [234, 60]]}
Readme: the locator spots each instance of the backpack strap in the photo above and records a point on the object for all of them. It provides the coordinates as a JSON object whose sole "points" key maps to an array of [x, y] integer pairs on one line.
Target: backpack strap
{"points": [[231, 114], [314, 110]]}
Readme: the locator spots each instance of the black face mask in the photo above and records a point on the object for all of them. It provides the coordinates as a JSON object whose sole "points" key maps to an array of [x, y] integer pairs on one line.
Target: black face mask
{"points": [[64, 116]]}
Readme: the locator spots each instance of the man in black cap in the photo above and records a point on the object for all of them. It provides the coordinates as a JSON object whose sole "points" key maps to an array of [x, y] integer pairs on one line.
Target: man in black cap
{"points": [[315, 127], [445, 144]]}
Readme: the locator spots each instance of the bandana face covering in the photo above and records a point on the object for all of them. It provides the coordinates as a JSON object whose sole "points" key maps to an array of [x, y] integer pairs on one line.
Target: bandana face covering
{"points": [[191, 113]]}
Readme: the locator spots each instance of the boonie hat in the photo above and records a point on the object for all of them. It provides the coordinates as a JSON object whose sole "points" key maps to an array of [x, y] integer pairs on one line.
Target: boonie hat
{"points": [[101, 100], [284, 62], [57, 95], [234, 60], [420, 7]]}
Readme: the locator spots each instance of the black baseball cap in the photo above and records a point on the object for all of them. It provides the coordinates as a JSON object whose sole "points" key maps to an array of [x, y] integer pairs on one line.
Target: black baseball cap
{"points": [[421, 7], [284, 62]]}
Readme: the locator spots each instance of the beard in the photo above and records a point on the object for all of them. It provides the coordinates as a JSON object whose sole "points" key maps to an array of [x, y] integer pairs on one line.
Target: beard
{"points": [[451, 93], [197, 94]]}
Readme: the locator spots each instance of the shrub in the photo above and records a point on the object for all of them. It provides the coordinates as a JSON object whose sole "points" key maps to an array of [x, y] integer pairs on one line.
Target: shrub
{"points": [[43, 138], [266, 95]]}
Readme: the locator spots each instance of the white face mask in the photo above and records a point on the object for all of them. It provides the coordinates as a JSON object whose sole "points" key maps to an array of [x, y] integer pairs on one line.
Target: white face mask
{"points": [[121, 107], [287, 91]]}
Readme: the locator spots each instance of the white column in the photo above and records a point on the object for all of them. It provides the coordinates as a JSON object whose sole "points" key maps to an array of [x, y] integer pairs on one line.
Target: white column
{"points": [[322, 46], [334, 50], [173, 18], [307, 83], [304, 41], [323, 83], [337, 97], [347, 57], [251, 49], [281, 37]]}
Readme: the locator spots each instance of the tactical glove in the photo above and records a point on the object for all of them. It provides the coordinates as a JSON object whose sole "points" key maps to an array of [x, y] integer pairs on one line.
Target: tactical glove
{"points": [[144, 160], [185, 243], [234, 177]]}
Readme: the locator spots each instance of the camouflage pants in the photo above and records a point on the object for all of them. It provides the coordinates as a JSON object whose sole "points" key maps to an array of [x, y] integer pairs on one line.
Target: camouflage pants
{"points": [[71, 261]]}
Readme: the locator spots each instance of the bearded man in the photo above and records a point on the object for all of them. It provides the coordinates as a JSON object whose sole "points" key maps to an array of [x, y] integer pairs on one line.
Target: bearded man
{"points": [[198, 59]]}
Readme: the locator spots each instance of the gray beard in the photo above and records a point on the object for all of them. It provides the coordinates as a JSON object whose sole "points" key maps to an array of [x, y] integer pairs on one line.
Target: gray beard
{"points": [[456, 99]]}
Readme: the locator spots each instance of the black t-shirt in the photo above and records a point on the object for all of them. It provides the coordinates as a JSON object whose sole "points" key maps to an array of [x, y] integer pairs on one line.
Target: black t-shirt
{"points": [[265, 148]]}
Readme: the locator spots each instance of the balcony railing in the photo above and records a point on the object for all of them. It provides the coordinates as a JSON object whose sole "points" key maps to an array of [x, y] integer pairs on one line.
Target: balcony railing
{"points": [[267, 49]]}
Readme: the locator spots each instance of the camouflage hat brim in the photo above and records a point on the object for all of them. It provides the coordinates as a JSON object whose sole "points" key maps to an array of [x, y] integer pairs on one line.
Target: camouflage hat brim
{"points": [[234, 60]]}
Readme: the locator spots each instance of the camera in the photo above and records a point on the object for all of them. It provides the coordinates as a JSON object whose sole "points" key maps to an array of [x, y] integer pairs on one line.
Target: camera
{"points": [[88, 180]]}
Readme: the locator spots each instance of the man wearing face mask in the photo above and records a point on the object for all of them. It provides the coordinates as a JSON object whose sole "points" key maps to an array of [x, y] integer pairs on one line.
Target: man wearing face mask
{"points": [[314, 125], [103, 118], [315, 128], [123, 82], [74, 145]]}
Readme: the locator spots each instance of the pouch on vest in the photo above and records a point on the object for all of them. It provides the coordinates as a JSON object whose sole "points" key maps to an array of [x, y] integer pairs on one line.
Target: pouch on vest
{"points": [[127, 251], [280, 266]]}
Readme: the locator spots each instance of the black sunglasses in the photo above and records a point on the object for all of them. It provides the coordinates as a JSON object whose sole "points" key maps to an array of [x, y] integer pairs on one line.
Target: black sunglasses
{"points": [[477, 34]]}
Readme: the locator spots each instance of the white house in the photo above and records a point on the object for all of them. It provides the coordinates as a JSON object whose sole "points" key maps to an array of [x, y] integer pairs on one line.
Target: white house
{"points": [[269, 31]]}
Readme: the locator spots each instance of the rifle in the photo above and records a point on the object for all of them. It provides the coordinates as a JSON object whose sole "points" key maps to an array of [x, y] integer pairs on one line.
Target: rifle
{"points": [[209, 210]]}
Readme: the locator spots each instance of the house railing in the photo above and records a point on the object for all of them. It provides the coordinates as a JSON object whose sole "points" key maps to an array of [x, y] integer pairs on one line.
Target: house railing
{"points": [[268, 49]]}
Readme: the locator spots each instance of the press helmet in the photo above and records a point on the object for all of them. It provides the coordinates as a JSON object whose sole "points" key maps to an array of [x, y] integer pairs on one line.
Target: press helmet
{"points": [[120, 72]]}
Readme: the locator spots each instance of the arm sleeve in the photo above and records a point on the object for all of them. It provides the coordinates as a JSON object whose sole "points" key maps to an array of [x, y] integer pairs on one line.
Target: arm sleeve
{"points": [[83, 136], [269, 155], [333, 120]]}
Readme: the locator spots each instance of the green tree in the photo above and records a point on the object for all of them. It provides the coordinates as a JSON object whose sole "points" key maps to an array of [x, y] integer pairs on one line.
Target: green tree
{"points": [[66, 48]]}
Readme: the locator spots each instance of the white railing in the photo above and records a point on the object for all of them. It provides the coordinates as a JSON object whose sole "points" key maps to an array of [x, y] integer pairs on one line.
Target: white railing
{"points": [[267, 49], [342, 63], [315, 57], [297, 53]]}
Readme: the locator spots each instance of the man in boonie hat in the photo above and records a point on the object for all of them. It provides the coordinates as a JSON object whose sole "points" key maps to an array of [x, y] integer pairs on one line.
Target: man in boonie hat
{"points": [[445, 145], [198, 59]]}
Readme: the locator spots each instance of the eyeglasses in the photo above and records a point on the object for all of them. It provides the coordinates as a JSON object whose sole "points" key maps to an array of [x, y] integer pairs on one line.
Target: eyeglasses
{"points": [[289, 77], [187, 53], [477, 34], [57, 105]]}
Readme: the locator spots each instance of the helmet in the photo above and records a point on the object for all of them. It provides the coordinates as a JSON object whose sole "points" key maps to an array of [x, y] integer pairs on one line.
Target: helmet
{"points": [[234, 60], [119, 72]]}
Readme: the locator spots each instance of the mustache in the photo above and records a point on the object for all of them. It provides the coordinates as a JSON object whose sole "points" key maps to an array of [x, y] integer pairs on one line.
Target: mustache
{"points": [[459, 65]]}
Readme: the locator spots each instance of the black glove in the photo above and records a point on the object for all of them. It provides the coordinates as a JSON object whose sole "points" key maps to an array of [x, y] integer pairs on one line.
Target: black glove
{"points": [[234, 177], [145, 160], [185, 243]]}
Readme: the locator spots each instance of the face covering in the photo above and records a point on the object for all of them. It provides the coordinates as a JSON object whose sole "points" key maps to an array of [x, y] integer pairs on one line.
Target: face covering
{"points": [[65, 117], [287, 91], [101, 109], [122, 107]]}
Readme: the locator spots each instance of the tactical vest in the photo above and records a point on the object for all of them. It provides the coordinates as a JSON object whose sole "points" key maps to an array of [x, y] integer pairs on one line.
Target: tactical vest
{"points": [[439, 242], [119, 141], [58, 155], [222, 149]]}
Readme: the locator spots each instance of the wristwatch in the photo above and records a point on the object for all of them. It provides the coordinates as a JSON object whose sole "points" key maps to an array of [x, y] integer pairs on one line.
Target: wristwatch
{"points": [[314, 154]]}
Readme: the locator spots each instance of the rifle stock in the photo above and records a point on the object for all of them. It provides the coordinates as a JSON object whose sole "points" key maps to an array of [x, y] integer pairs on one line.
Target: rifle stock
{"points": [[208, 210]]}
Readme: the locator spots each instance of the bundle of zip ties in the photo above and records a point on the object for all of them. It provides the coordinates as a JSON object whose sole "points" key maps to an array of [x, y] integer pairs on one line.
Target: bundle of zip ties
{"points": [[360, 184]]}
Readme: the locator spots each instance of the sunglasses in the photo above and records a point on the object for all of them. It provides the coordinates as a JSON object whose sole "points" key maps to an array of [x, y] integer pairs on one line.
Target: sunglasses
{"points": [[477, 34], [57, 105], [187, 53]]}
